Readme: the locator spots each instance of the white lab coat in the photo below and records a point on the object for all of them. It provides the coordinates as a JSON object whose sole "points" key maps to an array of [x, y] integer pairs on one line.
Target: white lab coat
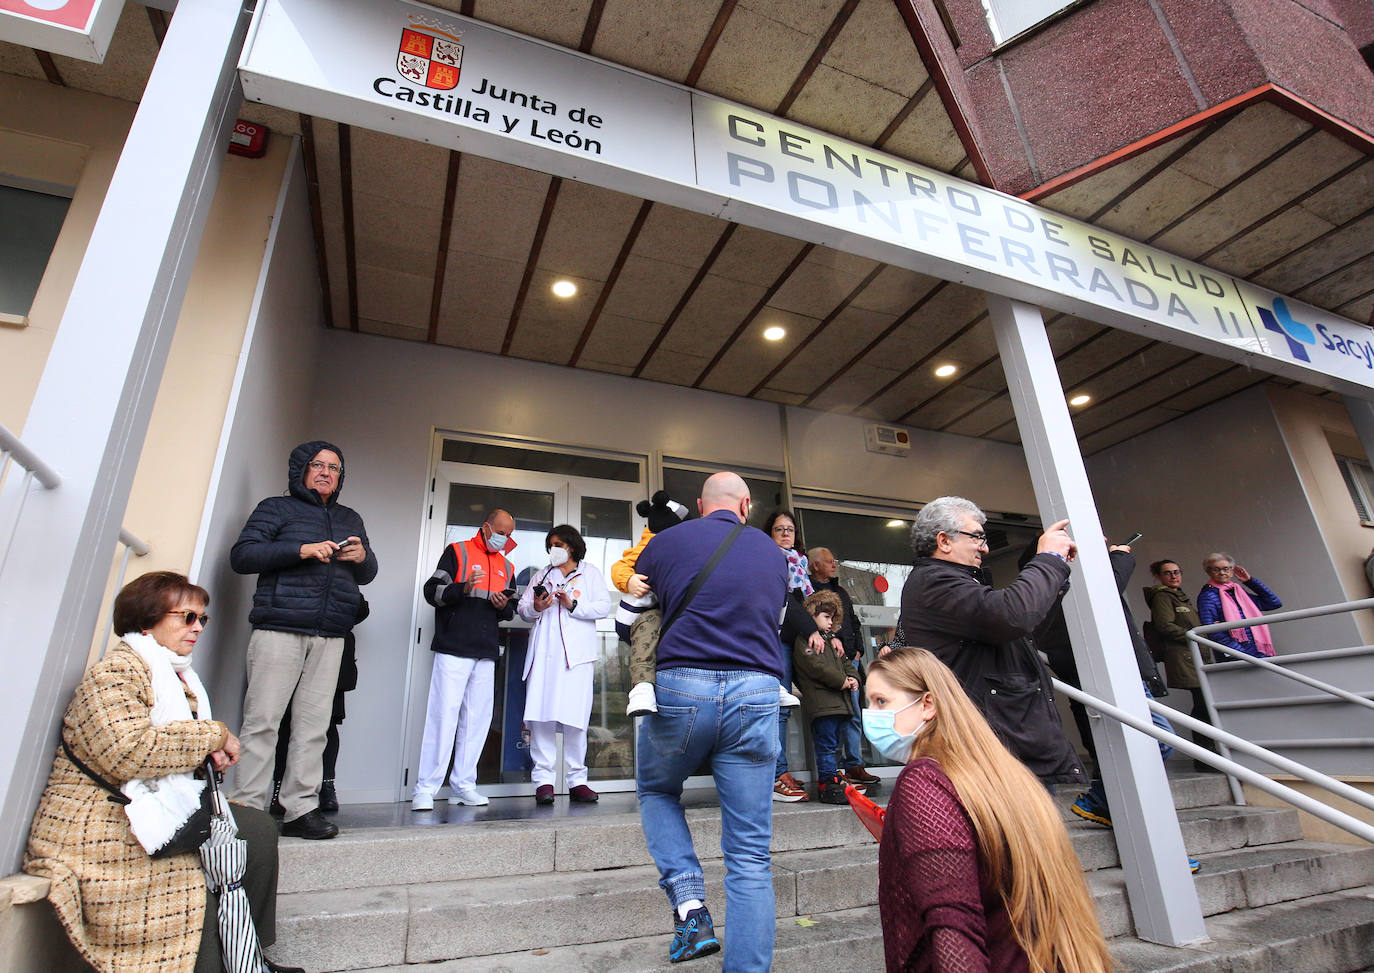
{"points": [[563, 645]]}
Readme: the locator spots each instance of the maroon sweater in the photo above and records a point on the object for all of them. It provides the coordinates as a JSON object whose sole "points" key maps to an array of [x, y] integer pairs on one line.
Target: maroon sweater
{"points": [[939, 912]]}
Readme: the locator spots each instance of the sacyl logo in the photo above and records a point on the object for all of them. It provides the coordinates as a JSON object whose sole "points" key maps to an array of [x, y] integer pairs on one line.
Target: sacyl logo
{"points": [[1293, 330], [1298, 334]]}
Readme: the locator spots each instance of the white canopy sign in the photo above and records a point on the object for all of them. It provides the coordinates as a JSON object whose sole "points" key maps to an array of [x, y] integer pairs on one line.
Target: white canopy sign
{"points": [[76, 28], [414, 71]]}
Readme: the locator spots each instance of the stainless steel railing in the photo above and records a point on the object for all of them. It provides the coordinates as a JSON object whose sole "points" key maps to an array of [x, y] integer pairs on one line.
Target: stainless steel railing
{"points": [[132, 545], [1311, 805], [13, 452], [1277, 665]]}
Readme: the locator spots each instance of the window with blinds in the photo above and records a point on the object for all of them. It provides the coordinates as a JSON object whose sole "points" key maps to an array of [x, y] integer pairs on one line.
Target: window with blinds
{"points": [[1359, 480]]}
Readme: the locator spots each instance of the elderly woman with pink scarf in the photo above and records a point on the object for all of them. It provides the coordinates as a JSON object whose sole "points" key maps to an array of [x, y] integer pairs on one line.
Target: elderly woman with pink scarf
{"points": [[1225, 598]]}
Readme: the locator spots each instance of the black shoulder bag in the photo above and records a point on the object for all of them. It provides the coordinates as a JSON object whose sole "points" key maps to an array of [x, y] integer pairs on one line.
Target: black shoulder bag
{"points": [[716, 556], [190, 836]]}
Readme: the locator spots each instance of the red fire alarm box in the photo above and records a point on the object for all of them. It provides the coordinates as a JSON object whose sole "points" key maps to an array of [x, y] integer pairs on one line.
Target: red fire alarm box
{"points": [[248, 138]]}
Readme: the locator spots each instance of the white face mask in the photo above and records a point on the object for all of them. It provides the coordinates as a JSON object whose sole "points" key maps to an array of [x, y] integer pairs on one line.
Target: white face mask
{"points": [[558, 556], [495, 541]]}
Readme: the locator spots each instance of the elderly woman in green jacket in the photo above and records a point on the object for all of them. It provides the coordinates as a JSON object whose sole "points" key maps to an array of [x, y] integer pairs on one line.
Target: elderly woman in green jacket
{"points": [[1172, 614]]}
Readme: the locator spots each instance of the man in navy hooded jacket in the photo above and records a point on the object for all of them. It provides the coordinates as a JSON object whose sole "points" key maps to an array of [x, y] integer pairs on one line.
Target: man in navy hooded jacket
{"points": [[310, 554]]}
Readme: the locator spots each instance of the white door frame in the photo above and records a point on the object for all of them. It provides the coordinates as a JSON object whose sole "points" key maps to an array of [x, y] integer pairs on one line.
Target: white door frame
{"points": [[567, 492]]}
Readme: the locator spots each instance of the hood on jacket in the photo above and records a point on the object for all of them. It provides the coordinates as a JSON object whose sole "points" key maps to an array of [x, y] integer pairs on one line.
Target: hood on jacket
{"points": [[1178, 594], [295, 470]]}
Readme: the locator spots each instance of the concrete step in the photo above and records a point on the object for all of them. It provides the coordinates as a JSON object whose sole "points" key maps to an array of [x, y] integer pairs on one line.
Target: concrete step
{"points": [[1331, 933], [430, 922], [1206, 830], [488, 849], [1247, 878], [847, 940], [370, 857]]}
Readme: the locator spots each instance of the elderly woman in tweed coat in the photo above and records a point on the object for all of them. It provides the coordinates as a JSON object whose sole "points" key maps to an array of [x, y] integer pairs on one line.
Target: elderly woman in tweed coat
{"points": [[123, 910]]}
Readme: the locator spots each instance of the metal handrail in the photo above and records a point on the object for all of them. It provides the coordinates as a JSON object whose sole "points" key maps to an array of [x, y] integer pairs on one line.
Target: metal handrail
{"points": [[1325, 687], [1196, 641], [12, 447], [1195, 638], [138, 548], [13, 450], [1346, 822]]}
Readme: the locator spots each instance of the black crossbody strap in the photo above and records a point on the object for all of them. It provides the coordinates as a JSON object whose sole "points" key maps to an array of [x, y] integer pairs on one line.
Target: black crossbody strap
{"points": [[719, 553], [116, 795]]}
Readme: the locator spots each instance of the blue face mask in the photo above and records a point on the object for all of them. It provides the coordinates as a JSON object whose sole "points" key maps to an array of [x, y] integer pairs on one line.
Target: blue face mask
{"points": [[880, 728]]}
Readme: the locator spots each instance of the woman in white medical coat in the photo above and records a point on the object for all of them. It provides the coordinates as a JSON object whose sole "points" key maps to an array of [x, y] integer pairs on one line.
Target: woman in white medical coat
{"points": [[563, 600]]}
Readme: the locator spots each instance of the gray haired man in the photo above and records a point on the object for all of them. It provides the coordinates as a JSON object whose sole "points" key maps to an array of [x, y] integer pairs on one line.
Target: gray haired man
{"points": [[981, 632]]}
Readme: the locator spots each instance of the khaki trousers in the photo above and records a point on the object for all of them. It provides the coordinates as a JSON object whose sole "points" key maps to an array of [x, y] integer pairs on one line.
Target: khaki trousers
{"points": [[302, 670]]}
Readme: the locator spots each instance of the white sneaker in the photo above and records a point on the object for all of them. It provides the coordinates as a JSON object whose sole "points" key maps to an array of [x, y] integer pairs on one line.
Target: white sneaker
{"points": [[786, 700], [467, 795], [422, 802], [641, 700]]}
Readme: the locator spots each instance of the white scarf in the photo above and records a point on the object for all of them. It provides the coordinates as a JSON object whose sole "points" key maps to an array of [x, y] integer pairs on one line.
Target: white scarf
{"points": [[159, 806]]}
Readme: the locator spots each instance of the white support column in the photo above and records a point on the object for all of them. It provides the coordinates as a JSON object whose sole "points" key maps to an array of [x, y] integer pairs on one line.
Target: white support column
{"points": [[91, 410], [1163, 898]]}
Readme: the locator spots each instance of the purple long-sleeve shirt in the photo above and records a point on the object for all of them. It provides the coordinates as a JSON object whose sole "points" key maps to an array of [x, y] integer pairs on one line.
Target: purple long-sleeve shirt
{"points": [[938, 912]]}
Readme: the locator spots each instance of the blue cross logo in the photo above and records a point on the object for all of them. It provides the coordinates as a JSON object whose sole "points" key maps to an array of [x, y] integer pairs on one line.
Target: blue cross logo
{"points": [[1294, 331]]}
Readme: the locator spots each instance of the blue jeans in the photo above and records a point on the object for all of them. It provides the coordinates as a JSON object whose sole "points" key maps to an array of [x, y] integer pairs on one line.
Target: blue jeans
{"points": [[729, 718], [780, 765], [853, 733], [825, 736]]}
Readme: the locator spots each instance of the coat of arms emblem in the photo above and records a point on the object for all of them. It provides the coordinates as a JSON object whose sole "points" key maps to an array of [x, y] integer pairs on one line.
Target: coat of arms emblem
{"points": [[429, 56]]}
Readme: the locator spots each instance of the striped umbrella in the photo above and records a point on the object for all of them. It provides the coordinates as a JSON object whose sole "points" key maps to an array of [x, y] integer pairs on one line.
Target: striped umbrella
{"points": [[224, 856]]}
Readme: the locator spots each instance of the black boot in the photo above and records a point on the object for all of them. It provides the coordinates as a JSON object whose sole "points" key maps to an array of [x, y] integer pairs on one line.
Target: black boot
{"points": [[329, 797], [275, 808], [830, 790]]}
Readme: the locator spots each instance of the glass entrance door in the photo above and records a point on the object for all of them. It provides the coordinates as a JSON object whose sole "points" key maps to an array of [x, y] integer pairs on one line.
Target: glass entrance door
{"points": [[601, 507]]}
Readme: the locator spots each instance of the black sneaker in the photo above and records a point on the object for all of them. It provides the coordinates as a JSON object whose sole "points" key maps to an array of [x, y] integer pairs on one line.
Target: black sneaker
{"points": [[312, 825], [694, 936], [275, 808], [329, 797], [831, 790]]}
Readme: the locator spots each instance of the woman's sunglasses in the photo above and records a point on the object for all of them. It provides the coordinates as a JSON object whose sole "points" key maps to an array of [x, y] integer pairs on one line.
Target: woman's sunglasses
{"points": [[190, 617]]}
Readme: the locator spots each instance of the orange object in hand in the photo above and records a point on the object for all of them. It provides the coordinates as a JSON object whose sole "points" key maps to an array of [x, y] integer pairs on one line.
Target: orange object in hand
{"points": [[870, 814]]}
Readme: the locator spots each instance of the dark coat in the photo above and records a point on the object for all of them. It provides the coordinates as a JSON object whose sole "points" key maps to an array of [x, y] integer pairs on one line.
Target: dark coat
{"points": [[306, 596], [1052, 635], [1172, 614], [466, 623], [820, 677], [980, 632]]}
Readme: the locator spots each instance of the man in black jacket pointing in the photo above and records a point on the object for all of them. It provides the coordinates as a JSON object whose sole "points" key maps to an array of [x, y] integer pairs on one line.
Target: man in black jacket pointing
{"points": [[310, 554]]}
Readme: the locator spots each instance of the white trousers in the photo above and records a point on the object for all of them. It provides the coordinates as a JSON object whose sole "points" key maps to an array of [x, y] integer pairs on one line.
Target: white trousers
{"points": [[457, 720], [544, 752]]}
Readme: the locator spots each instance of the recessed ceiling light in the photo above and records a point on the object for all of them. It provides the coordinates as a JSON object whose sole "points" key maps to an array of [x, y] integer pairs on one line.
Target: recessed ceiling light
{"points": [[775, 333], [896, 523], [945, 371], [564, 288], [1082, 398]]}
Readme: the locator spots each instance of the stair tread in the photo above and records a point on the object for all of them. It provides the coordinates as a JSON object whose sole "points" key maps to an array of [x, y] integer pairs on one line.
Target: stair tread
{"points": [[1328, 932]]}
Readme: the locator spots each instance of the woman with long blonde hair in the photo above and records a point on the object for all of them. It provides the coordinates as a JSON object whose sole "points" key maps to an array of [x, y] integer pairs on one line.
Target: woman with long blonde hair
{"points": [[975, 870]]}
